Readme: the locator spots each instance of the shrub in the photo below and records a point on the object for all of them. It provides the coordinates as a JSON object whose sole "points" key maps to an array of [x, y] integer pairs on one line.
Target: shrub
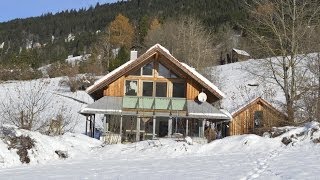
{"points": [[22, 144], [19, 73], [59, 69], [79, 82]]}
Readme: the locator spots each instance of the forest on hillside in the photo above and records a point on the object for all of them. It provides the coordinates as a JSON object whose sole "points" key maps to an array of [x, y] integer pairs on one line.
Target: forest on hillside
{"points": [[38, 41]]}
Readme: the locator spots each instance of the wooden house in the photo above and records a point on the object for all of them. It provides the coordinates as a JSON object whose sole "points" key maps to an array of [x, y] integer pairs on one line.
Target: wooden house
{"points": [[239, 55], [153, 96], [255, 117]]}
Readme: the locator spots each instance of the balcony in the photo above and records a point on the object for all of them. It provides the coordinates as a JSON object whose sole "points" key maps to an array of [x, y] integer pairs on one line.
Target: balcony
{"points": [[155, 103]]}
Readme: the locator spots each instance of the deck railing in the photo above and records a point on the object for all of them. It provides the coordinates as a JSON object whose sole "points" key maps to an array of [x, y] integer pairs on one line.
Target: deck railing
{"points": [[157, 103]]}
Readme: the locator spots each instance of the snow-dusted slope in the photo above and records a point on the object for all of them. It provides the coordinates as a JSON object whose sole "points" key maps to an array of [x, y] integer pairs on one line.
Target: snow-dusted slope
{"points": [[241, 87], [61, 99], [244, 81]]}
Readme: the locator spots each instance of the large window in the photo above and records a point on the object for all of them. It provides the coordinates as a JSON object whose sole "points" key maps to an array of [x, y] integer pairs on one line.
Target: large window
{"points": [[147, 89], [165, 72], [161, 89], [178, 89], [147, 69], [131, 88]]}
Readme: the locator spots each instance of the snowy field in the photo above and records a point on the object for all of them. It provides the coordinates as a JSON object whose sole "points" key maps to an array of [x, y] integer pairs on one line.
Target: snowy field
{"points": [[236, 157]]}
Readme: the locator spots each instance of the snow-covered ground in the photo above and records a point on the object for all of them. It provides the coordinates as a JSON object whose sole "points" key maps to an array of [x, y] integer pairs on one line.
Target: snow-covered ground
{"points": [[236, 157], [60, 97]]}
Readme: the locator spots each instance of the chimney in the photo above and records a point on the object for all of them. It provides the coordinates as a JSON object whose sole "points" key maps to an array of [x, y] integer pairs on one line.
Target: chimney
{"points": [[133, 55]]}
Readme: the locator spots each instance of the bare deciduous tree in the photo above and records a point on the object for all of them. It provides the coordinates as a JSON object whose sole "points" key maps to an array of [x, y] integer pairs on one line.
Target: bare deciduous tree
{"points": [[24, 105], [28, 105], [281, 29], [101, 55], [187, 39]]}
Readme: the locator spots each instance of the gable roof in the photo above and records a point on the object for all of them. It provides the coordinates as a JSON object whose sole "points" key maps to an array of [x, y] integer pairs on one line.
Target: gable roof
{"points": [[241, 52], [254, 101], [121, 70]]}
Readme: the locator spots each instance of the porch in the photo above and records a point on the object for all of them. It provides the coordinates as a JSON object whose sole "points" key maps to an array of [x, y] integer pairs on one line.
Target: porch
{"points": [[129, 119]]}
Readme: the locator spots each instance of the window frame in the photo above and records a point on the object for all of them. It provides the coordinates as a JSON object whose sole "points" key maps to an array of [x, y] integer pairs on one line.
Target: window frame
{"points": [[153, 89], [157, 67], [125, 87], [167, 88], [257, 115], [152, 70], [178, 82]]}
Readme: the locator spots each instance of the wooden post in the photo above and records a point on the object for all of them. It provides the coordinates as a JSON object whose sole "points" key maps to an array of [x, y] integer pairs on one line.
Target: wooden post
{"points": [[86, 125], [187, 127], [154, 128], [138, 129], [94, 125], [107, 124], [120, 127], [202, 129], [170, 126], [90, 126]]}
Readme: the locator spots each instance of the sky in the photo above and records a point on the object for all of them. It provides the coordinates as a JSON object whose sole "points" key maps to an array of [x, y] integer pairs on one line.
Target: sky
{"points": [[12, 9]]}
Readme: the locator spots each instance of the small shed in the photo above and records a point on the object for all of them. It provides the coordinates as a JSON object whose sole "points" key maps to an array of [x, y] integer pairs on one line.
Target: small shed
{"points": [[255, 117]]}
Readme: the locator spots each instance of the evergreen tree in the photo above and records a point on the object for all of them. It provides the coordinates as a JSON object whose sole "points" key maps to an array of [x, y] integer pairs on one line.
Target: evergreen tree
{"points": [[122, 57]]}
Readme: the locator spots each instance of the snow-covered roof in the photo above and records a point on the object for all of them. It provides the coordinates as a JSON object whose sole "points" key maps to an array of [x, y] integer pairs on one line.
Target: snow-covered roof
{"points": [[161, 47], [101, 80], [205, 80], [241, 52], [157, 47]]}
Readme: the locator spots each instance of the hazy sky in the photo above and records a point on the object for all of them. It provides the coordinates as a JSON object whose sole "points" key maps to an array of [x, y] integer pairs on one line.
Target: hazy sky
{"points": [[12, 9]]}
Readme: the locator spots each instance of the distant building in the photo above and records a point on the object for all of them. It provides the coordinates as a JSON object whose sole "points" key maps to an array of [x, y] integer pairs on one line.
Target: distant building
{"points": [[77, 59], [239, 55], [235, 56]]}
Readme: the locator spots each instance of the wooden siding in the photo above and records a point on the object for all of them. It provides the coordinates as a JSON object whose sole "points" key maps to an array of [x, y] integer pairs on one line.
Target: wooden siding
{"points": [[192, 90], [243, 122], [116, 88]]}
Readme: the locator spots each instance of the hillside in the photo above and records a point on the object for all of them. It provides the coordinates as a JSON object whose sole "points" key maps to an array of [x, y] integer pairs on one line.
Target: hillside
{"points": [[45, 39]]}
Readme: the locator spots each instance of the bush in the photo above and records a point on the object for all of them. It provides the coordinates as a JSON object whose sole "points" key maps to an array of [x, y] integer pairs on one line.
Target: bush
{"points": [[22, 144], [79, 82], [59, 69], [19, 73], [60, 124]]}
